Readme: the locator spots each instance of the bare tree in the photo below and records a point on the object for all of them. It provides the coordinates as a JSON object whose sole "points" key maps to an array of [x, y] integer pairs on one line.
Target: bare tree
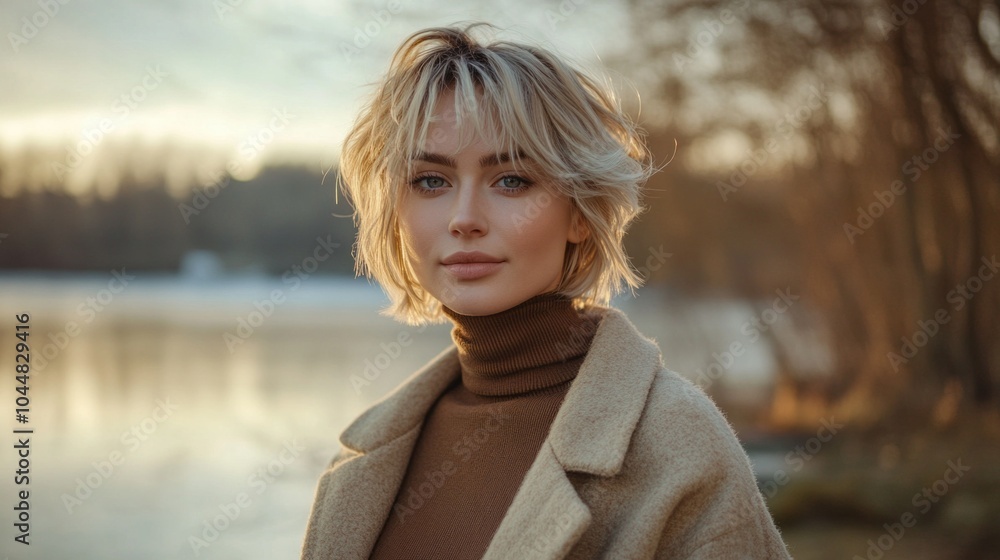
{"points": [[875, 126]]}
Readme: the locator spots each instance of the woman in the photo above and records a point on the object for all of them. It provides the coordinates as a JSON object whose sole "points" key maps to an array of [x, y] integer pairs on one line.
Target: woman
{"points": [[493, 184]]}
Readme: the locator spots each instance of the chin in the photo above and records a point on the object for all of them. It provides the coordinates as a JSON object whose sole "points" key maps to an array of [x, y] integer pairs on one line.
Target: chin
{"points": [[481, 302], [476, 308]]}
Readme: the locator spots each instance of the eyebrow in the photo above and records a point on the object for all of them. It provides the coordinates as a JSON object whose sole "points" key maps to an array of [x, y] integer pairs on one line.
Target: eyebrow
{"points": [[488, 160]]}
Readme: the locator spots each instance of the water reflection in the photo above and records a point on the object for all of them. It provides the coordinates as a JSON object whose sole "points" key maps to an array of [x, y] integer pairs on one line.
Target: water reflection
{"points": [[147, 426]]}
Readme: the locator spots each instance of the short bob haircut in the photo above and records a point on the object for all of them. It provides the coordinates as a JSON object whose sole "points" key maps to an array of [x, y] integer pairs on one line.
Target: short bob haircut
{"points": [[544, 109]]}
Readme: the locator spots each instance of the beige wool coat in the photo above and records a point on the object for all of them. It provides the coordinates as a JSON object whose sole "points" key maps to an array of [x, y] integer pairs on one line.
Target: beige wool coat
{"points": [[638, 463]]}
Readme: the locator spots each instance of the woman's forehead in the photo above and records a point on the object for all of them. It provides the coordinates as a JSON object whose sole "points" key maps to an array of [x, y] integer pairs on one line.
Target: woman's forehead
{"points": [[451, 140]]}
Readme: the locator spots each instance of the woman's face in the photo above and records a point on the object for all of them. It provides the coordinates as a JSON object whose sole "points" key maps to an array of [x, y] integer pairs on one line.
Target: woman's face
{"points": [[474, 201]]}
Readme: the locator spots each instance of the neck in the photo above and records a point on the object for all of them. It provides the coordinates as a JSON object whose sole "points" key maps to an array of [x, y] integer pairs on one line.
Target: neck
{"points": [[537, 344]]}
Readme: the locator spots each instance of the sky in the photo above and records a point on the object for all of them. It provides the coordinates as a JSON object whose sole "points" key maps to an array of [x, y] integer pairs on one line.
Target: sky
{"points": [[92, 89]]}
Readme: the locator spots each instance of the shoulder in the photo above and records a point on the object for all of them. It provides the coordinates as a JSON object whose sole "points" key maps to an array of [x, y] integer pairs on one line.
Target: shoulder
{"points": [[675, 403], [682, 427]]}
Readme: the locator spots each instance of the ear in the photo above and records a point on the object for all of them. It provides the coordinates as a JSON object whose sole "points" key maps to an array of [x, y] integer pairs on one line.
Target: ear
{"points": [[578, 228]]}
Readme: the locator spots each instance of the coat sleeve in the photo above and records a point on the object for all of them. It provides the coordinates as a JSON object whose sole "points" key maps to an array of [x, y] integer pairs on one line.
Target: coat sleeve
{"points": [[733, 523], [310, 543], [721, 514]]}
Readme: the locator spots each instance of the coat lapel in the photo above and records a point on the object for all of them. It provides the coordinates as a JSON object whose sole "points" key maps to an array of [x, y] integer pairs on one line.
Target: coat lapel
{"points": [[590, 434], [358, 494], [356, 499], [546, 517]]}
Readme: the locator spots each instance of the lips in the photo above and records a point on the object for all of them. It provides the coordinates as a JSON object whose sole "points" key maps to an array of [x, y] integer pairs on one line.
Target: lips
{"points": [[463, 257], [471, 265]]}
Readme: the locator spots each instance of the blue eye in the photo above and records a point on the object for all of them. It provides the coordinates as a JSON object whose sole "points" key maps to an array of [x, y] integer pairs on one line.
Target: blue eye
{"points": [[513, 183], [427, 183]]}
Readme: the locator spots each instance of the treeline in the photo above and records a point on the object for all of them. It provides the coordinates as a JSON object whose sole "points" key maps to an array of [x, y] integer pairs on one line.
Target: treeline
{"points": [[266, 225]]}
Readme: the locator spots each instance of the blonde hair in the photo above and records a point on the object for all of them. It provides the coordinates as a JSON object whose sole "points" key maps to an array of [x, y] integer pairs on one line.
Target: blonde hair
{"points": [[563, 119]]}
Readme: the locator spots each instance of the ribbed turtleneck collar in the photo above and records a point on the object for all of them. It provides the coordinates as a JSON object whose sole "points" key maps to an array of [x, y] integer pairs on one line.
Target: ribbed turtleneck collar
{"points": [[536, 344]]}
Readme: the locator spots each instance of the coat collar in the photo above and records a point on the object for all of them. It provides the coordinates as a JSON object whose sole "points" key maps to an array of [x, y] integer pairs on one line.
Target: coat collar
{"points": [[590, 434], [613, 381]]}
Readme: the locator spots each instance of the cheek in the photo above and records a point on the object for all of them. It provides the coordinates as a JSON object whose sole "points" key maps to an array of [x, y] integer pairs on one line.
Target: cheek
{"points": [[415, 233], [544, 236], [551, 219]]}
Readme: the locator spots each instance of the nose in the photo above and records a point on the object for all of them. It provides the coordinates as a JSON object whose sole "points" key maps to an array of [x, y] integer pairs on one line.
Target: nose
{"points": [[468, 216]]}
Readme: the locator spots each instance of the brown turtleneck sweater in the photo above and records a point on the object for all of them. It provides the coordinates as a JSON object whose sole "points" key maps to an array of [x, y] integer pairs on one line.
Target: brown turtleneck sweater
{"points": [[484, 431]]}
